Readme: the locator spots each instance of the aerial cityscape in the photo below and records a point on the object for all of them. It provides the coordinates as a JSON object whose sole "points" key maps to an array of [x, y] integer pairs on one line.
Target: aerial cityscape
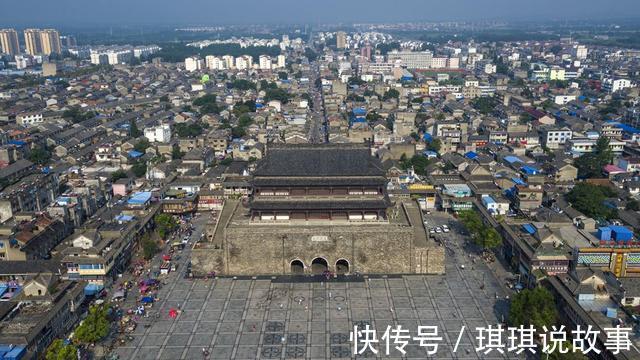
{"points": [[454, 182]]}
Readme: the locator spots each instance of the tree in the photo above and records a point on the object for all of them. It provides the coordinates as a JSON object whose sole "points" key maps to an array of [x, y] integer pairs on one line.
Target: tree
{"points": [[277, 94], [165, 224], [142, 145], [242, 84], [481, 234], [149, 247], [134, 132], [139, 169], [118, 174], [39, 156], [58, 350], [533, 307], [588, 199], [189, 130], [391, 94], [205, 99], [226, 161], [590, 165], [95, 327], [283, 75], [484, 105], [176, 153], [435, 145], [77, 115], [633, 205]]}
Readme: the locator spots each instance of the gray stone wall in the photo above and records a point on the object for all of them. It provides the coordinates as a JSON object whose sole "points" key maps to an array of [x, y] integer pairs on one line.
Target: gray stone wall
{"points": [[269, 250]]}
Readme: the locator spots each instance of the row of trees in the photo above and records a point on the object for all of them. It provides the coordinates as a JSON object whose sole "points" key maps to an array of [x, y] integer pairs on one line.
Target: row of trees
{"points": [[483, 235], [94, 328]]}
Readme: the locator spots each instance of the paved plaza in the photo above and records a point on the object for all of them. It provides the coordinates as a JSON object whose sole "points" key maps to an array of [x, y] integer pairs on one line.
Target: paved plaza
{"points": [[265, 319]]}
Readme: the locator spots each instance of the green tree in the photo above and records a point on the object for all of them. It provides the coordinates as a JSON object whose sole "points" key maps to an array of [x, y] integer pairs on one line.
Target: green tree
{"points": [[188, 130], [277, 94], [226, 161], [242, 84], [95, 327], [481, 234], [590, 165], [484, 105], [139, 169], [118, 174], [633, 205], [588, 199], [435, 145], [149, 247], [58, 350], [165, 224], [391, 94], [39, 156], [533, 307], [134, 132], [205, 99], [176, 153], [142, 145], [282, 75]]}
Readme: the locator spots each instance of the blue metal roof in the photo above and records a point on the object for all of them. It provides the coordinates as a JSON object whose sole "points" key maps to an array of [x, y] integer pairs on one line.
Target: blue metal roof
{"points": [[512, 159], [140, 198], [530, 229], [471, 155], [529, 170], [135, 154], [518, 181]]}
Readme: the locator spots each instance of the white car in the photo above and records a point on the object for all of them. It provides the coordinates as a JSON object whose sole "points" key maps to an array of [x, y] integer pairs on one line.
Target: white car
{"points": [[444, 229], [438, 230]]}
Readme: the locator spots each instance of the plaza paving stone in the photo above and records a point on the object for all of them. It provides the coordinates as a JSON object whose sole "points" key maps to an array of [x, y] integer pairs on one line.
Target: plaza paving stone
{"points": [[261, 319]]}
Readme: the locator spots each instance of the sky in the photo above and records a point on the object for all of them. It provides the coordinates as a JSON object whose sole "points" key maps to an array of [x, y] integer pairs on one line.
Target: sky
{"points": [[211, 12]]}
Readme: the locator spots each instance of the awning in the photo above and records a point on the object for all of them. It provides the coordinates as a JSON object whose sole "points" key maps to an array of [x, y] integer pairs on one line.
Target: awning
{"points": [[92, 289], [118, 294]]}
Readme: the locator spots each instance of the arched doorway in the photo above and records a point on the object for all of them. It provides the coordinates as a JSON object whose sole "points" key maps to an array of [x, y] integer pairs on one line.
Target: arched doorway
{"points": [[342, 266], [297, 267], [319, 265]]}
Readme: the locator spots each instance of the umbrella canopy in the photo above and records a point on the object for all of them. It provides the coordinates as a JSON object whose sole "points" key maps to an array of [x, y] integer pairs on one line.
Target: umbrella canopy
{"points": [[118, 294], [147, 299]]}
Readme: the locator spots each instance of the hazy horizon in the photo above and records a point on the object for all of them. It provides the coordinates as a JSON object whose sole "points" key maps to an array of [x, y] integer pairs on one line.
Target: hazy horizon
{"points": [[212, 12]]}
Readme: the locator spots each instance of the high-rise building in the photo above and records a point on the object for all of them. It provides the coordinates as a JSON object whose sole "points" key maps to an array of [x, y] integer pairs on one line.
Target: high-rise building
{"points": [[69, 41], [50, 40], [264, 62], [193, 63], [42, 42], [365, 51], [32, 44], [9, 42], [341, 40], [282, 61]]}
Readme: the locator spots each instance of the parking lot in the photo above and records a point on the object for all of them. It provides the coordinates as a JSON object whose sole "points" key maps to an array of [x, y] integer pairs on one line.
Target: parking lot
{"points": [[276, 319]]}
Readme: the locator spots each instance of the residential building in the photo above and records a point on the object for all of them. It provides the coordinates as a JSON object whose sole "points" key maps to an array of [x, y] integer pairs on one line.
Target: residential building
{"points": [[29, 119], [613, 85], [32, 42], [554, 138], [411, 59], [50, 42], [341, 40], [9, 42], [193, 63], [160, 133]]}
